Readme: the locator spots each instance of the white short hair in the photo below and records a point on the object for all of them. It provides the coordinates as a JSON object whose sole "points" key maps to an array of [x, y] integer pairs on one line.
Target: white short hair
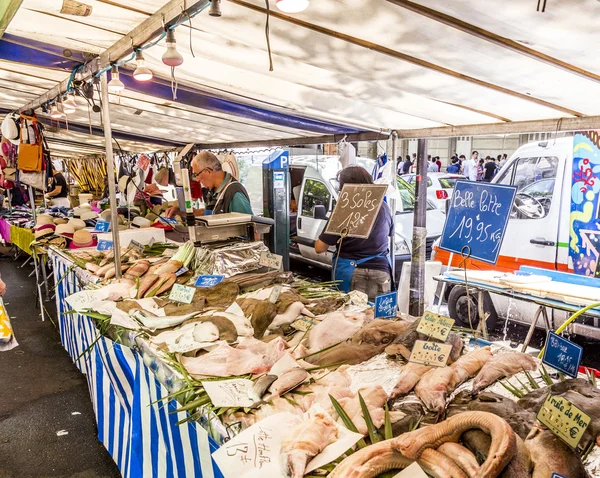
{"points": [[205, 159]]}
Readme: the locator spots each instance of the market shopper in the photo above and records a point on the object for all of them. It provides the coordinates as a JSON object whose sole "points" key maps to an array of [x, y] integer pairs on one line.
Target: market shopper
{"points": [[361, 264], [489, 168], [59, 193], [224, 193]]}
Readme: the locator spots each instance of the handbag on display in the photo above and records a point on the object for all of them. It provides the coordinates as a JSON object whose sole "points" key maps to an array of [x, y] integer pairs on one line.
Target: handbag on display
{"points": [[36, 179], [31, 152]]}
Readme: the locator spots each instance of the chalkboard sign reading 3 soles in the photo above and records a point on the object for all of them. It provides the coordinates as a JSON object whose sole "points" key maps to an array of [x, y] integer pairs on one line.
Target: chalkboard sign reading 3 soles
{"points": [[356, 210], [477, 218]]}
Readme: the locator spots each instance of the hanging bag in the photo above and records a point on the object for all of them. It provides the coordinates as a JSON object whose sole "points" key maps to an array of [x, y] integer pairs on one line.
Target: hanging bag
{"points": [[31, 153]]}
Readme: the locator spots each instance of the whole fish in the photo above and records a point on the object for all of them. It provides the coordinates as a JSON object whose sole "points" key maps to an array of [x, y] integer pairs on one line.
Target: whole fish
{"points": [[288, 381], [261, 386], [502, 365], [153, 322]]}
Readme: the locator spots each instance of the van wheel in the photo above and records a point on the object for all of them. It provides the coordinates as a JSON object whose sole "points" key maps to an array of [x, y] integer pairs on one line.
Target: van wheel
{"points": [[458, 308]]}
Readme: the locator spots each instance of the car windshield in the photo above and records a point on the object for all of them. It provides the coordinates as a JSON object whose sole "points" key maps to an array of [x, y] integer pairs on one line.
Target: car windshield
{"points": [[447, 183], [407, 196]]}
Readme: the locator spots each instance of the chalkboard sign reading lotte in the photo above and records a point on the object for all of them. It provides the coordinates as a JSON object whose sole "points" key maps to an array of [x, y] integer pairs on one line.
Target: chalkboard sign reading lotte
{"points": [[477, 218], [562, 354], [356, 210]]}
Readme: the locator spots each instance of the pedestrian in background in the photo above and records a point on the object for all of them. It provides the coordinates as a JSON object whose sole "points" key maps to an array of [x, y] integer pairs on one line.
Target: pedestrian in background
{"points": [[454, 168], [480, 170], [489, 169]]}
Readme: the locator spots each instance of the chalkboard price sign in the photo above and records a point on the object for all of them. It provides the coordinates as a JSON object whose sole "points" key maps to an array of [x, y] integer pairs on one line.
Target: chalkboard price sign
{"points": [[356, 210], [477, 218], [562, 354]]}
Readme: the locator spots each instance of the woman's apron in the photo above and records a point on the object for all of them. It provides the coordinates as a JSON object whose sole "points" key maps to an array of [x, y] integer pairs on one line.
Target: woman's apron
{"points": [[343, 269]]}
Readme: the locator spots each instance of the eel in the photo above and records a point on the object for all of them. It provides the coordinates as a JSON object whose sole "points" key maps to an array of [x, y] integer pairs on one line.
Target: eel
{"points": [[439, 465], [501, 366], [502, 449], [464, 458], [371, 461]]}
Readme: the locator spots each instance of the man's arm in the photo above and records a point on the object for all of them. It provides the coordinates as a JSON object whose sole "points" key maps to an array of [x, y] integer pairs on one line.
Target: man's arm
{"points": [[175, 211], [55, 192]]}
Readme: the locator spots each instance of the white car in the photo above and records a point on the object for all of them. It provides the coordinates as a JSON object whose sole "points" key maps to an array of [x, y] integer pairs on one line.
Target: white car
{"points": [[440, 187]]}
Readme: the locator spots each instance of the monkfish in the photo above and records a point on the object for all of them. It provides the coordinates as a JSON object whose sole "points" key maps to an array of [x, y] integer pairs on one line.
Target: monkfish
{"points": [[501, 366]]}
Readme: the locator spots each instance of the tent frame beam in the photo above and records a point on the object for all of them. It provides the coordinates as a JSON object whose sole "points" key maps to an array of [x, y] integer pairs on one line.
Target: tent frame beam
{"points": [[408, 58], [156, 23], [515, 127], [330, 138]]}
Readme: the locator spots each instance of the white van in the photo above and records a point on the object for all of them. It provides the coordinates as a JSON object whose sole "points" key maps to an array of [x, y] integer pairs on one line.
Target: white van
{"points": [[538, 231], [313, 183]]}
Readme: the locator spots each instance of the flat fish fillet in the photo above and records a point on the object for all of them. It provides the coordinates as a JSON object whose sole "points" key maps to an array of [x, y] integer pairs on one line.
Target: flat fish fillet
{"points": [[335, 327], [305, 441], [501, 366], [250, 356], [409, 377], [375, 398]]}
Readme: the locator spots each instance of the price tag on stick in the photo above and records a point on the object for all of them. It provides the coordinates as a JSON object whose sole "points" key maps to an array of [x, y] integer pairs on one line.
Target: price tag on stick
{"points": [[208, 281], [385, 305], [182, 293], [269, 259], [562, 354], [436, 326], [102, 226], [104, 245], [135, 245], [430, 353], [563, 419]]}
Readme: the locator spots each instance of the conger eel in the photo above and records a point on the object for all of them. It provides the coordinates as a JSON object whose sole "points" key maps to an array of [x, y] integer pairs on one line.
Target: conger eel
{"points": [[421, 445], [502, 448]]}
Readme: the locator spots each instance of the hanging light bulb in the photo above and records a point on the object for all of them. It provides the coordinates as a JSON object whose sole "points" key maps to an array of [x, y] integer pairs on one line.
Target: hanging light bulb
{"points": [[215, 8], [172, 57], [292, 6], [115, 85], [55, 113], [142, 72], [69, 104]]}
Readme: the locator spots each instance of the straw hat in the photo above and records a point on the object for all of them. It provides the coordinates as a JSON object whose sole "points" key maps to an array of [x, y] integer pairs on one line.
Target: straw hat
{"points": [[87, 215], [105, 215], [141, 222], [44, 219], [60, 220], [43, 231], [83, 238], [77, 224], [65, 230]]}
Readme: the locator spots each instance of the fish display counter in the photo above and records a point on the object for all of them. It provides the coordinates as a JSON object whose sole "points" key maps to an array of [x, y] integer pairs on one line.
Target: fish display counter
{"points": [[259, 373]]}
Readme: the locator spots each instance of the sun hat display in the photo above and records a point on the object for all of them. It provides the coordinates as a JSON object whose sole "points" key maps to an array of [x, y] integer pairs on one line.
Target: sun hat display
{"points": [[60, 220], [43, 227], [10, 128], [82, 238], [105, 215], [65, 230], [87, 215], [43, 231], [141, 222], [77, 224], [44, 219]]}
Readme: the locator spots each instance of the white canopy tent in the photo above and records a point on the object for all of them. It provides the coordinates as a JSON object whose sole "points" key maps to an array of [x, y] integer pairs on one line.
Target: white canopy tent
{"points": [[341, 66]]}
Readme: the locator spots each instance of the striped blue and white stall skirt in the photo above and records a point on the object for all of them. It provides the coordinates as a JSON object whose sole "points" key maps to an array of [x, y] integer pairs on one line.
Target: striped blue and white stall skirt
{"points": [[139, 431]]}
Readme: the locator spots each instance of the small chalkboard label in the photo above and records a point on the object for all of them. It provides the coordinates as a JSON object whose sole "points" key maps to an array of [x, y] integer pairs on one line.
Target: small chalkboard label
{"points": [[102, 226], [271, 260], [208, 281], [562, 354], [356, 210], [182, 293], [385, 305], [477, 218], [181, 271], [430, 353], [563, 419], [104, 245], [436, 326]]}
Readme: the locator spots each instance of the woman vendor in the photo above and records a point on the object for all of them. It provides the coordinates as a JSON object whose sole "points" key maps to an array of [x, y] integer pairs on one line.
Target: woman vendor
{"points": [[361, 264]]}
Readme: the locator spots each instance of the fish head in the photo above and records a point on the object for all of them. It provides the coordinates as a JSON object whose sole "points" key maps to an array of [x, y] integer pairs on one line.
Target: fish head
{"points": [[293, 463]]}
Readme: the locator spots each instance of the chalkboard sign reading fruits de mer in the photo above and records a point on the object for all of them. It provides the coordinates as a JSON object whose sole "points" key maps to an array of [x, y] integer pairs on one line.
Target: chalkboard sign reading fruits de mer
{"points": [[477, 218], [356, 210], [562, 354], [385, 305]]}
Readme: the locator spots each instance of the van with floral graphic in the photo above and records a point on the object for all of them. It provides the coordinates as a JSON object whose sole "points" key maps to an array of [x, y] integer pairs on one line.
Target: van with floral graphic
{"points": [[554, 223]]}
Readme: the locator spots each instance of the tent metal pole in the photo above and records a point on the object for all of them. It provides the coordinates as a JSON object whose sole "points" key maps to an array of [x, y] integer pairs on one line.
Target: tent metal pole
{"points": [[393, 202], [416, 301], [110, 167]]}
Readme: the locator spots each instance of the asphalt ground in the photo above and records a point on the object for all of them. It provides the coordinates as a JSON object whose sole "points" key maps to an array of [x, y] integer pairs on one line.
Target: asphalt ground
{"points": [[42, 393]]}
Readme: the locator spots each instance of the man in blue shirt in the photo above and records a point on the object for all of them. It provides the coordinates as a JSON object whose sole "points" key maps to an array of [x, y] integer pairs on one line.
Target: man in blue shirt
{"points": [[225, 193]]}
